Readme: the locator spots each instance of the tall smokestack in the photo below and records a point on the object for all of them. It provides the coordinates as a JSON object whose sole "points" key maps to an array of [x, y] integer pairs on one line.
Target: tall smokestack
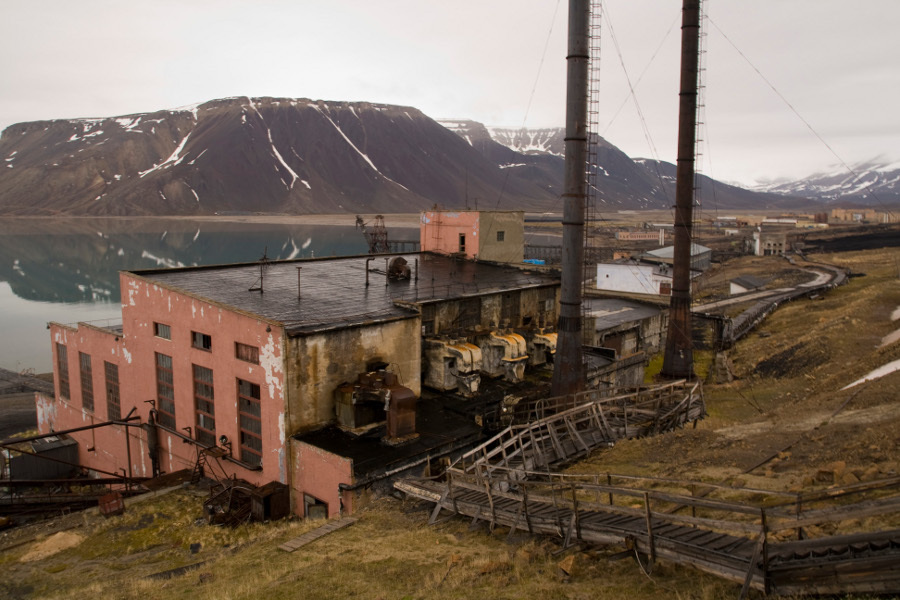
{"points": [[678, 361], [568, 370]]}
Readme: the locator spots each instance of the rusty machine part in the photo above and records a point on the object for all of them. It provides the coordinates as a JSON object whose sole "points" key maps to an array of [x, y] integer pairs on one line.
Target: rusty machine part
{"points": [[377, 397]]}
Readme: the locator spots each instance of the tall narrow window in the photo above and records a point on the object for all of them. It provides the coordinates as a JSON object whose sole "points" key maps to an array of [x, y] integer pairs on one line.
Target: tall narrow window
{"points": [[250, 422], [165, 391], [201, 341], [246, 353], [62, 370], [462, 242], [204, 406], [113, 404], [87, 383]]}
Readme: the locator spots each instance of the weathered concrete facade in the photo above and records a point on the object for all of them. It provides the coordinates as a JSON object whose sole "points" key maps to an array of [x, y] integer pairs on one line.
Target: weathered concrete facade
{"points": [[496, 236], [318, 363]]}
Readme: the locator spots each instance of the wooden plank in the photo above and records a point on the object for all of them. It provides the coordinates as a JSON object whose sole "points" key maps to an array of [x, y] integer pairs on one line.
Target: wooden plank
{"points": [[315, 534]]}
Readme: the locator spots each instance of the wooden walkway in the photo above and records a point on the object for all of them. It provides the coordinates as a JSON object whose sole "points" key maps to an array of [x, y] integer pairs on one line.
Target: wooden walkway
{"points": [[311, 536], [742, 534]]}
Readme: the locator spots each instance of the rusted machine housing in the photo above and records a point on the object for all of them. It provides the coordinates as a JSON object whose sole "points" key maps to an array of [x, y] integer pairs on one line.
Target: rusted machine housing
{"points": [[504, 355], [452, 365], [377, 397], [541, 346]]}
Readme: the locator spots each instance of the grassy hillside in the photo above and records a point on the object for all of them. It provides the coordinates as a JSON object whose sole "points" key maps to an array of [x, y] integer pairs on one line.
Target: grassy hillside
{"points": [[786, 404]]}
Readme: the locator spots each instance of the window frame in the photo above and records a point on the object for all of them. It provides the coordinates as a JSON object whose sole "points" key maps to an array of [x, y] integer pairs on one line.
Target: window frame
{"points": [[162, 331], [87, 381], [204, 405], [250, 454], [113, 392], [201, 341], [501, 236], [253, 351], [165, 416], [62, 370]]}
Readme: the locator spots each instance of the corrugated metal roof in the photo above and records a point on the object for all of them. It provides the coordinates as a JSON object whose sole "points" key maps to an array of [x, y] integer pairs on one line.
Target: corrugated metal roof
{"points": [[669, 251], [333, 291]]}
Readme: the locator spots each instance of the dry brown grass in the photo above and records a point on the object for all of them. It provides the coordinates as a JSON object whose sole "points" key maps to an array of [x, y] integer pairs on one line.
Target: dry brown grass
{"points": [[392, 552]]}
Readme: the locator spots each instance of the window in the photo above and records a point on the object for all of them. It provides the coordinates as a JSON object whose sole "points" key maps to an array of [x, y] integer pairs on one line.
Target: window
{"points": [[201, 341], [462, 242], [469, 313], [428, 319], [510, 309], [250, 422], [501, 236], [87, 384], [62, 370], [165, 391], [204, 406], [246, 353], [113, 404], [162, 331]]}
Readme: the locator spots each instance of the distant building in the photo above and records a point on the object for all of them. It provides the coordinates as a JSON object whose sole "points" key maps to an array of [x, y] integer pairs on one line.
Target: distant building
{"points": [[770, 242], [630, 277], [625, 326], [495, 236], [633, 236], [744, 284], [701, 256]]}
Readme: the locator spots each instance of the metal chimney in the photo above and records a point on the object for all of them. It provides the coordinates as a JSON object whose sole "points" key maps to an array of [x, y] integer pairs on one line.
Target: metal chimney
{"points": [[678, 361], [568, 370]]}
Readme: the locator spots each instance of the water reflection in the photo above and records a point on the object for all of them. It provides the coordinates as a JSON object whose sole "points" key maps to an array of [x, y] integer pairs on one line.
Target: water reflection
{"points": [[67, 269]]}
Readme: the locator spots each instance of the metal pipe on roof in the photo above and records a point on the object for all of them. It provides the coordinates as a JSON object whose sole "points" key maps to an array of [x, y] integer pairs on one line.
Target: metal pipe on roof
{"points": [[298, 282], [368, 260]]}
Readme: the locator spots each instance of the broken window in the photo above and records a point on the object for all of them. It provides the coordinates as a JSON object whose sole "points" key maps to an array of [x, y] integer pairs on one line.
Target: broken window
{"points": [[428, 311], [246, 353], [113, 404], [469, 313], [165, 391], [462, 242], [162, 331], [201, 341], [62, 370], [204, 406], [510, 308], [250, 422], [87, 384]]}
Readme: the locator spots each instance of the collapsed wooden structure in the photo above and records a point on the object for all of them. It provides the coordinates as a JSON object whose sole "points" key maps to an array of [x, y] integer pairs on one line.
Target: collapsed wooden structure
{"points": [[759, 538]]}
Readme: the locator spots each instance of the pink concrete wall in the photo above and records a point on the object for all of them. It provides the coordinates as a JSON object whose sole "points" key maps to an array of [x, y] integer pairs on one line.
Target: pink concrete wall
{"points": [[102, 448], [143, 304], [319, 473], [439, 231]]}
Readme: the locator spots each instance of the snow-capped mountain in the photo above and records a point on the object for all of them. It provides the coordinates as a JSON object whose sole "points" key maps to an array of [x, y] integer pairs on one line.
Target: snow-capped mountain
{"points": [[872, 182], [270, 155]]}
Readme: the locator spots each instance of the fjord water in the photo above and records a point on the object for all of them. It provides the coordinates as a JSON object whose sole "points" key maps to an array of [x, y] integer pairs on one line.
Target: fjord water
{"points": [[66, 270]]}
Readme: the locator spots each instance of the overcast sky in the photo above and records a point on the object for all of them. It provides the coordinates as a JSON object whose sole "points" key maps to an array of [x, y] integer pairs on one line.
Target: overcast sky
{"points": [[836, 63]]}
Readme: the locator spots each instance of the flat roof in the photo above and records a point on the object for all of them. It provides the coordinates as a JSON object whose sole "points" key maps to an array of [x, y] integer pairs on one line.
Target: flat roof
{"points": [[441, 429], [612, 312], [333, 291]]}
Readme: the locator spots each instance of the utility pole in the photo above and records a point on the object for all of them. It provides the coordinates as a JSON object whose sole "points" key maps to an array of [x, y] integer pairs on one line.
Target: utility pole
{"points": [[568, 369], [678, 361]]}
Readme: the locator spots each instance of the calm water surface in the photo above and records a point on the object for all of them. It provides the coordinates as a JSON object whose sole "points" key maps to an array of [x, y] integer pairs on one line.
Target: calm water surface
{"points": [[67, 270]]}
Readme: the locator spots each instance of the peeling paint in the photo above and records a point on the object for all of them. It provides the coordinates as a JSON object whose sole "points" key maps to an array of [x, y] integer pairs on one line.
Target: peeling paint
{"points": [[272, 365], [46, 412], [127, 355]]}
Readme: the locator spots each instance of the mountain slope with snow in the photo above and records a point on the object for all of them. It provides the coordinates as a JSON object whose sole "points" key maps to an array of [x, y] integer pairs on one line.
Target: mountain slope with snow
{"points": [[871, 183], [250, 155]]}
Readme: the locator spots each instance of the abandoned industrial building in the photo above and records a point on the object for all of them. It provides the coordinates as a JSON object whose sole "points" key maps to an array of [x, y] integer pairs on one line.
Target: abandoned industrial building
{"points": [[309, 373]]}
